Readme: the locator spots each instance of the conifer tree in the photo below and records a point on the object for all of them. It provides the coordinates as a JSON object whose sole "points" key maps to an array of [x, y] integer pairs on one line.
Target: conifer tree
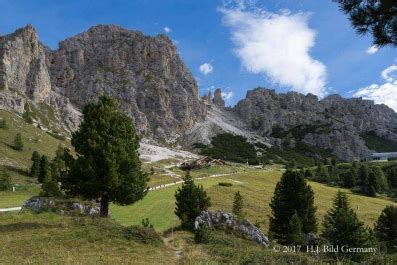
{"points": [[191, 200], [343, 228], [362, 180], [35, 168], [238, 205], [349, 179], [5, 181], [18, 142], [386, 227], [107, 167], [295, 235], [292, 194], [45, 173]]}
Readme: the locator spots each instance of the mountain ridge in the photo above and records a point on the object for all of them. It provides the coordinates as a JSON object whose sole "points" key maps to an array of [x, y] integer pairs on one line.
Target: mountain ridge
{"points": [[157, 90]]}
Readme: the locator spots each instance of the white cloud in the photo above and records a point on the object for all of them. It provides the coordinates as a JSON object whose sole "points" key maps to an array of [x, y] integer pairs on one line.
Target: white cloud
{"points": [[167, 29], [206, 68], [278, 46], [385, 93], [227, 95], [373, 49]]}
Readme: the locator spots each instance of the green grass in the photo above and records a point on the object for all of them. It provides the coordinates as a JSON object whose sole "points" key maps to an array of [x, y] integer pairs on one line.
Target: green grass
{"points": [[257, 189], [33, 139], [17, 198], [53, 239]]}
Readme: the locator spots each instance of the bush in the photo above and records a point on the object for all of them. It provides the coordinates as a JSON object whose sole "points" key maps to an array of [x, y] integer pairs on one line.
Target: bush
{"points": [[146, 235], [5, 181], [50, 188], [3, 124], [202, 234], [18, 142], [386, 227], [225, 184], [146, 223]]}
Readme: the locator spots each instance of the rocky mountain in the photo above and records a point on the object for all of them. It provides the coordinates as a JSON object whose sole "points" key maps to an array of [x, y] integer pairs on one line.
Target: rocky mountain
{"points": [[156, 89], [146, 75], [333, 123]]}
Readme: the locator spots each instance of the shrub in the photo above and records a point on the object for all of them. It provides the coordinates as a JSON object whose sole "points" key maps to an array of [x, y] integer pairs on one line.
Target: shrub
{"points": [[50, 188], [202, 234], [18, 142], [5, 181], [146, 235], [225, 184], [146, 223], [3, 124], [238, 205], [386, 227]]}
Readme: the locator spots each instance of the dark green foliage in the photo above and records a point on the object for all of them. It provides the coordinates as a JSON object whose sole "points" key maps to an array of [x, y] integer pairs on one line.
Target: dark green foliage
{"points": [[18, 142], [3, 124], [146, 235], [292, 164], [349, 179], [5, 181], [35, 168], [386, 227], [146, 223], [363, 175], [373, 185], [392, 177], [230, 147], [377, 17], [309, 173], [27, 116], [343, 228], [295, 235], [191, 200], [45, 173], [380, 179], [107, 165], [152, 171], [292, 194], [380, 144], [238, 205], [50, 188], [202, 234], [225, 184]]}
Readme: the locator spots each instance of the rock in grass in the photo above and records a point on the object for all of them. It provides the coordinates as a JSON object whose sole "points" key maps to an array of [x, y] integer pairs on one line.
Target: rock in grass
{"points": [[225, 220]]}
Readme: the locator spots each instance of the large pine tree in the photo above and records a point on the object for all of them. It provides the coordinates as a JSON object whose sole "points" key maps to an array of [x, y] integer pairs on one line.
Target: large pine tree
{"points": [[107, 165], [292, 194], [343, 228], [386, 227]]}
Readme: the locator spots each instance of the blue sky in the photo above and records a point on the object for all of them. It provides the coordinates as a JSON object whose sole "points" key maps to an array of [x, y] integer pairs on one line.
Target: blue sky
{"points": [[302, 45]]}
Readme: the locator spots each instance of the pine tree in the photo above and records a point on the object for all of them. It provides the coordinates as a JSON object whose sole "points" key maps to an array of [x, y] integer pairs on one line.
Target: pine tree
{"points": [[107, 167], [191, 200], [373, 185], [35, 168], [5, 181], [295, 235], [381, 179], [375, 17], [386, 227], [18, 142], [45, 173], [349, 180], [392, 177], [238, 205], [292, 194], [363, 178], [343, 228]]}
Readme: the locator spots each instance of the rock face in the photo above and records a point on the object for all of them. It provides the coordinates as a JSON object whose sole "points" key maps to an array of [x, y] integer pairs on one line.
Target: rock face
{"points": [[223, 220], [39, 204], [218, 100], [332, 123], [146, 75]]}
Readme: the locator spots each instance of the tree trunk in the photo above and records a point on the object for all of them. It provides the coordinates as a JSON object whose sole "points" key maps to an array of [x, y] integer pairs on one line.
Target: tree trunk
{"points": [[104, 212]]}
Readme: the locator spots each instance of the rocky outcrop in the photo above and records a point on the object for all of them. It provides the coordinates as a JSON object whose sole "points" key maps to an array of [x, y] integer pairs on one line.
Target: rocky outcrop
{"points": [[42, 204], [218, 100], [145, 74], [332, 123], [224, 220]]}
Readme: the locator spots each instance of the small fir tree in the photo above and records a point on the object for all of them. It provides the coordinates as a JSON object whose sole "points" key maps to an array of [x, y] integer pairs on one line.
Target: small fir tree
{"points": [[386, 227], [35, 168], [45, 173], [18, 142], [191, 200], [292, 194], [5, 181], [238, 205]]}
